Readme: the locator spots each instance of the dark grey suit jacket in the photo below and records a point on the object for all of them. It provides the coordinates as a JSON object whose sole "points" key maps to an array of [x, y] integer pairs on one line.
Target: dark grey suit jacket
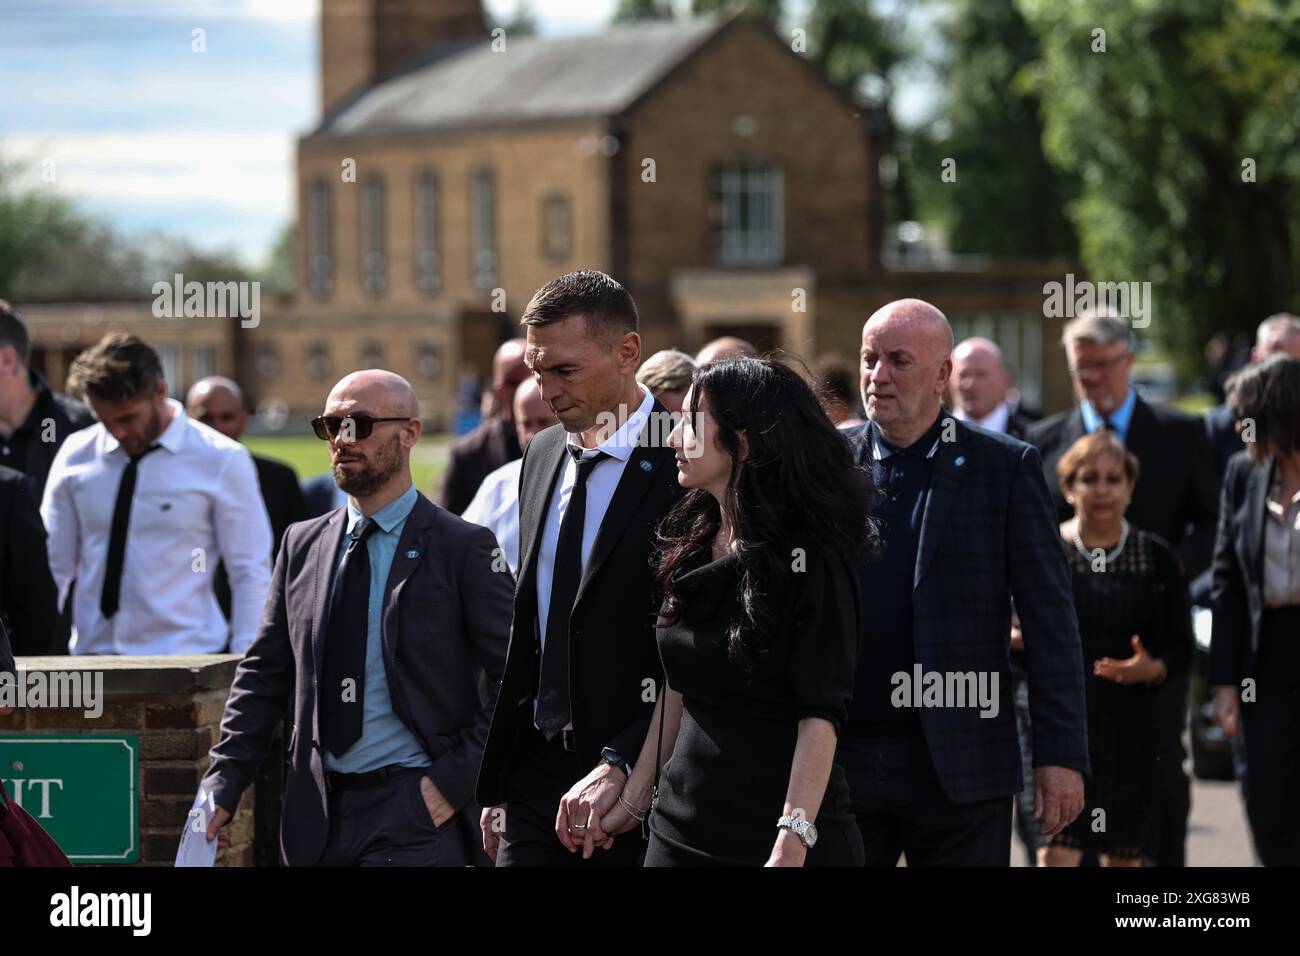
{"points": [[446, 624], [989, 535]]}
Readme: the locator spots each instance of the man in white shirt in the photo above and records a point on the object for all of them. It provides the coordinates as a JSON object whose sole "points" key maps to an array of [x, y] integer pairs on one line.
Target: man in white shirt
{"points": [[496, 504], [141, 507], [983, 385]]}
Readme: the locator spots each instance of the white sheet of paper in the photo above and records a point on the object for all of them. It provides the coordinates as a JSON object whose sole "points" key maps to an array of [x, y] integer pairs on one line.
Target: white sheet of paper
{"points": [[195, 850]]}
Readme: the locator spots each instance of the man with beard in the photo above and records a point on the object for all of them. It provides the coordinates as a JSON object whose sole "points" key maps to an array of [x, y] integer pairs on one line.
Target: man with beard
{"points": [[385, 632], [142, 507]]}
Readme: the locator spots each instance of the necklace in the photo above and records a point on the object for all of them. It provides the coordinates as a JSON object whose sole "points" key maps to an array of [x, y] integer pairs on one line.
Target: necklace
{"points": [[1108, 558]]}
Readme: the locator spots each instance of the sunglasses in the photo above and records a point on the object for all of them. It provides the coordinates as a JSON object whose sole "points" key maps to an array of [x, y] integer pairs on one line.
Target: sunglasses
{"points": [[329, 426]]}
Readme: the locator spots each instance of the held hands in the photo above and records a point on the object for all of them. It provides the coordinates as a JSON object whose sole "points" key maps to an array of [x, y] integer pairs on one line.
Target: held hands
{"points": [[1227, 710], [492, 823], [578, 823], [1141, 668]]}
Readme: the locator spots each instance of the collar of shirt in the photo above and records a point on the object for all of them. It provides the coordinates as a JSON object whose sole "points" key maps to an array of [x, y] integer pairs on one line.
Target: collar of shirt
{"points": [[620, 444], [1120, 418], [172, 437], [390, 515], [994, 421], [923, 447]]}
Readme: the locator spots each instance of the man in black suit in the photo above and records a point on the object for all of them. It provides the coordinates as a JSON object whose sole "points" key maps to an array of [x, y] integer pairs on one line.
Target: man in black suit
{"points": [[28, 597], [218, 402], [34, 421], [1177, 498], [390, 649], [494, 442], [967, 527], [983, 389], [1278, 333], [581, 673]]}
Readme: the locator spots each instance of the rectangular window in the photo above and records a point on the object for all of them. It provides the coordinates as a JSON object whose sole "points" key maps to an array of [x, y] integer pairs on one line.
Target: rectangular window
{"points": [[483, 224], [320, 267], [557, 227], [170, 357], [749, 220], [428, 228], [374, 266]]}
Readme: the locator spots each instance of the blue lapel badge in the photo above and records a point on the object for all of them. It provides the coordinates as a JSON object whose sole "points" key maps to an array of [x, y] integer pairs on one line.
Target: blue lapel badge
{"points": [[413, 554], [961, 460], [645, 465]]}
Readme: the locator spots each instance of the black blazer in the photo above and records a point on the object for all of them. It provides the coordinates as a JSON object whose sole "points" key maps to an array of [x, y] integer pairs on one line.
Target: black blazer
{"points": [[474, 457], [284, 505], [1237, 595], [989, 534], [445, 626], [1177, 493], [28, 598], [612, 650], [1221, 430]]}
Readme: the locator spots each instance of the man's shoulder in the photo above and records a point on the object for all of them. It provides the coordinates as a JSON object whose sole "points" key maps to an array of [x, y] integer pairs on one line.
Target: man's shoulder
{"points": [[77, 414], [1048, 429], [209, 441], [270, 471], [1170, 417], [83, 444], [474, 441]]}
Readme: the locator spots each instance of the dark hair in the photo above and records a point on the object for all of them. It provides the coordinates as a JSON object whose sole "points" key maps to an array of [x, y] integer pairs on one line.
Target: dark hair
{"points": [[1269, 395], [837, 380], [606, 306], [798, 488], [1099, 443], [13, 331], [117, 368]]}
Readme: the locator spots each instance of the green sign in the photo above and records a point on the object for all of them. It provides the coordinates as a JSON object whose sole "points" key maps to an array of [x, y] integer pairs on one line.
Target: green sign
{"points": [[81, 788]]}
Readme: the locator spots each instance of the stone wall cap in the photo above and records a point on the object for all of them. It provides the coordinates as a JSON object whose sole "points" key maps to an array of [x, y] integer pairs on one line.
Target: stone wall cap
{"points": [[145, 674]]}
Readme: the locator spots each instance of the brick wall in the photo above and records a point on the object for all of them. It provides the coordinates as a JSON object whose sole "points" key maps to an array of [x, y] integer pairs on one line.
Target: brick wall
{"points": [[174, 705]]}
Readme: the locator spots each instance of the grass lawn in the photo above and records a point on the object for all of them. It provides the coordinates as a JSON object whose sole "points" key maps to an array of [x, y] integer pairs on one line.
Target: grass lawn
{"points": [[308, 456]]}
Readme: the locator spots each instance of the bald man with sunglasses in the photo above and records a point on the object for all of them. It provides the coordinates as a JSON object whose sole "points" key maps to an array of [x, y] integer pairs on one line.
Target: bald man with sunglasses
{"points": [[385, 633]]}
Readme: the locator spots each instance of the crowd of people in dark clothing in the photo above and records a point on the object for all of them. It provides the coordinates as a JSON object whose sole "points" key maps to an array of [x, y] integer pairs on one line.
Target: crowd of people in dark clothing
{"points": [[719, 609]]}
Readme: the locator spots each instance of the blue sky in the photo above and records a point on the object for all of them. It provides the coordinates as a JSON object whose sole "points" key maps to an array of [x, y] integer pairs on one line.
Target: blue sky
{"points": [[151, 135]]}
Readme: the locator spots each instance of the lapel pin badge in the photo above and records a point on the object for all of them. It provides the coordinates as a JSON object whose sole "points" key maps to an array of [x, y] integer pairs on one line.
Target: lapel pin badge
{"points": [[413, 554], [961, 460], [645, 465]]}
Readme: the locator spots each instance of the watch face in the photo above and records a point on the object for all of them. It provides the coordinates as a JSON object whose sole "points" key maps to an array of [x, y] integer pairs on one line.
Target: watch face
{"points": [[810, 835]]}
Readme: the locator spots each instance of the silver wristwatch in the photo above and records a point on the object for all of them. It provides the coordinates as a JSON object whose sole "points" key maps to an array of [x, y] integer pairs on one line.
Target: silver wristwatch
{"points": [[803, 829]]}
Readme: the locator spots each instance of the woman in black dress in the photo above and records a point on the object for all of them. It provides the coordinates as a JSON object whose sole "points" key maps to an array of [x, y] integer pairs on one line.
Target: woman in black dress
{"points": [[1130, 594], [759, 631]]}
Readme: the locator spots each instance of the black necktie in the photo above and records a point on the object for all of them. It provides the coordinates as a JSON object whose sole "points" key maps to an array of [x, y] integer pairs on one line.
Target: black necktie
{"points": [[345, 645], [1107, 424], [553, 689], [109, 595]]}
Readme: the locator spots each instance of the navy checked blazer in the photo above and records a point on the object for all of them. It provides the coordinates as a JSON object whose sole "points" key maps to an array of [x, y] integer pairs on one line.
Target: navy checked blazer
{"points": [[989, 535]]}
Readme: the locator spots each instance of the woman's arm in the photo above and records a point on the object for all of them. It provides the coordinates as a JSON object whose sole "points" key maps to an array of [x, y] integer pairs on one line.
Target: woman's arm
{"points": [[641, 784], [814, 752]]}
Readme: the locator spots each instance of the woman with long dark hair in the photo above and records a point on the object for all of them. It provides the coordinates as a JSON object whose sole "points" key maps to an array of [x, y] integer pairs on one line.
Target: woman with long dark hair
{"points": [[759, 630]]}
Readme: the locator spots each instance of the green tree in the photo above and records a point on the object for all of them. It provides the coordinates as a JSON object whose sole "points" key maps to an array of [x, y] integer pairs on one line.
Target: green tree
{"points": [[35, 223], [1004, 197], [523, 23], [1180, 121], [279, 274]]}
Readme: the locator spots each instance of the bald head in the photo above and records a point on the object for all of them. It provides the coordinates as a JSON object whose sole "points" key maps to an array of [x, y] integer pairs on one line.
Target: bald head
{"points": [[375, 392], [532, 413], [727, 347], [982, 379], [217, 402], [508, 370], [906, 359]]}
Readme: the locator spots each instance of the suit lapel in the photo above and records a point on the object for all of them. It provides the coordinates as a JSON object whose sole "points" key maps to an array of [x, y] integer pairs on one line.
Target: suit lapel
{"points": [[1141, 429], [1257, 485], [411, 547], [324, 551], [535, 499], [945, 489]]}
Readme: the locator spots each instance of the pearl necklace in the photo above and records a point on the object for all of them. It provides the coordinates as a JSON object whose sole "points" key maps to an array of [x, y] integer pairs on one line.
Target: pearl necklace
{"points": [[1108, 558]]}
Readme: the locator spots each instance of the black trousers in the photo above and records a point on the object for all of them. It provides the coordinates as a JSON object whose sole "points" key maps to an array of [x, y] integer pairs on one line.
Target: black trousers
{"points": [[1272, 732], [543, 773], [389, 825], [901, 808]]}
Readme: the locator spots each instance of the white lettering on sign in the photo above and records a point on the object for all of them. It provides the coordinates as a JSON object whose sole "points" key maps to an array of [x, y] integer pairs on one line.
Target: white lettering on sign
{"points": [[32, 785]]}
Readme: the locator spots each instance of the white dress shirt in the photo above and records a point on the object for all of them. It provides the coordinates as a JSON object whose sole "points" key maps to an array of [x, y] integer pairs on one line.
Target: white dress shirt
{"points": [[496, 507], [994, 421], [196, 503], [601, 484]]}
